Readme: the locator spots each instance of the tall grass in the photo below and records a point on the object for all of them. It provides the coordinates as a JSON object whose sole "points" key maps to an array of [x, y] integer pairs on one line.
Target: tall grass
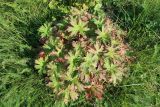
{"points": [[19, 22], [142, 86], [141, 19]]}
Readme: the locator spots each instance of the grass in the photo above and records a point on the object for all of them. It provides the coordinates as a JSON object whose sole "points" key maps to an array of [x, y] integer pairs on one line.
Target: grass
{"points": [[22, 86], [142, 86], [136, 18]]}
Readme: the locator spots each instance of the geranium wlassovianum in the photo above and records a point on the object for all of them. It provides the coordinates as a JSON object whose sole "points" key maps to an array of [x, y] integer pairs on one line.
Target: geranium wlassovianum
{"points": [[82, 58]]}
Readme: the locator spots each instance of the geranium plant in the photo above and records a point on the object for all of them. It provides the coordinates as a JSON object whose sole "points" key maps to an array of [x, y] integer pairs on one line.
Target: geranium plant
{"points": [[82, 57]]}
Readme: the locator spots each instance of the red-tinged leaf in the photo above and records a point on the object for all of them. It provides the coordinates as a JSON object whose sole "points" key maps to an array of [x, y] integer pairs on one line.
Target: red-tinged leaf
{"points": [[72, 89], [88, 96], [108, 22], [99, 96], [97, 90], [87, 88], [84, 77], [42, 54], [102, 76], [84, 18], [122, 51], [62, 60], [53, 53], [89, 16], [50, 84]]}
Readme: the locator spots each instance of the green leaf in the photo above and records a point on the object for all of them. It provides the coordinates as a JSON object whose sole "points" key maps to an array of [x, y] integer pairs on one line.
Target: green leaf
{"points": [[116, 77], [112, 53], [103, 35], [40, 65], [98, 49], [98, 21], [111, 68], [77, 26], [90, 63], [53, 4], [45, 30]]}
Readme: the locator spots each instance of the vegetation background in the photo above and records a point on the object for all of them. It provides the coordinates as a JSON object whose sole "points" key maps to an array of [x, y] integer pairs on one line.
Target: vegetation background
{"points": [[22, 86]]}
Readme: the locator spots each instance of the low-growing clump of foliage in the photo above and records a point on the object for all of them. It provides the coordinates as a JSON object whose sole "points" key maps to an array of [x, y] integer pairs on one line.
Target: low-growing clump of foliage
{"points": [[82, 54]]}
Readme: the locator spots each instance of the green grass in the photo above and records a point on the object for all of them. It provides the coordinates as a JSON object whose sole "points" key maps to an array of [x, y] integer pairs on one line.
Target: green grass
{"points": [[22, 86], [141, 88], [139, 18]]}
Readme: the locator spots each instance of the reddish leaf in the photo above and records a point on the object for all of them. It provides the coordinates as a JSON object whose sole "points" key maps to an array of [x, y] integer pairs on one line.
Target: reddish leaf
{"points": [[97, 91], [62, 60], [88, 96], [53, 53], [42, 54]]}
